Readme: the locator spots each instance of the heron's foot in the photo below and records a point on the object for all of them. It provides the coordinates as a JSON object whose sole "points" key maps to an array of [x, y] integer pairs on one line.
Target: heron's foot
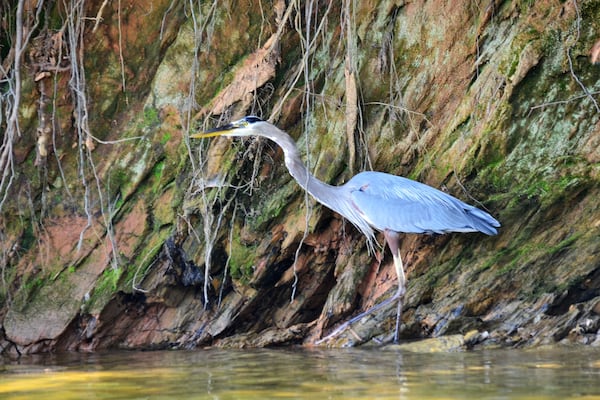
{"points": [[397, 297]]}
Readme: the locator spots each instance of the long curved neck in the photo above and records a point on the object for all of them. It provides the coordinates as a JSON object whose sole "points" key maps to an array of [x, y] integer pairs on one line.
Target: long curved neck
{"points": [[321, 191], [333, 197]]}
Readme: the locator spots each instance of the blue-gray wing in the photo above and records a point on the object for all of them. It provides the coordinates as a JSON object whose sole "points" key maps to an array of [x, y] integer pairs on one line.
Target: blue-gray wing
{"points": [[403, 205]]}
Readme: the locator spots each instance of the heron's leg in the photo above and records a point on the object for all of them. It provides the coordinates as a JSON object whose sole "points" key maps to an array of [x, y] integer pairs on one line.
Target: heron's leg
{"points": [[360, 316], [393, 240]]}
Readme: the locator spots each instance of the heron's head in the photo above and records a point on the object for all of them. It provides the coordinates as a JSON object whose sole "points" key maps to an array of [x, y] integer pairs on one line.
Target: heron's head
{"points": [[246, 126]]}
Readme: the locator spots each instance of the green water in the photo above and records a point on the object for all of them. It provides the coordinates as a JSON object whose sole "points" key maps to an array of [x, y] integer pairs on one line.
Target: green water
{"points": [[557, 373]]}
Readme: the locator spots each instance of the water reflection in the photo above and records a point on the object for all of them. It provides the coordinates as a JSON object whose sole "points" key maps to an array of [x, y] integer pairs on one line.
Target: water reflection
{"points": [[558, 373]]}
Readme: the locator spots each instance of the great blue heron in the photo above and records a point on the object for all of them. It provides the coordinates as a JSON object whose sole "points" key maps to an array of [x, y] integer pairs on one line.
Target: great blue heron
{"points": [[373, 200]]}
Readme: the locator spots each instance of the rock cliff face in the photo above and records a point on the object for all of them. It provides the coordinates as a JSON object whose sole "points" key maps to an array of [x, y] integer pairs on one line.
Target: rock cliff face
{"points": [[117, 230]]}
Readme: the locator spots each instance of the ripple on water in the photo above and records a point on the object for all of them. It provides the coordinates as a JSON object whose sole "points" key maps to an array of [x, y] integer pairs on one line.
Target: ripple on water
{"points": [[550, 373]]}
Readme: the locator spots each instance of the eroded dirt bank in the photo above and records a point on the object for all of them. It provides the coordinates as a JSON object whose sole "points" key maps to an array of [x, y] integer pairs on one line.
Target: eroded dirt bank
{"points": [[118, 231]]}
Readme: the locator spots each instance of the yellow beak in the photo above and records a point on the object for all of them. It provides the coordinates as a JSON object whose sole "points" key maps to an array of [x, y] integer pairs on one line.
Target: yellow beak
{"points": [[214, 132]]}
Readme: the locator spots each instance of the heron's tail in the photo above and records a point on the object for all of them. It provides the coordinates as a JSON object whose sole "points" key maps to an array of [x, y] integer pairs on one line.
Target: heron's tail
{"points": [[483, 221]]}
